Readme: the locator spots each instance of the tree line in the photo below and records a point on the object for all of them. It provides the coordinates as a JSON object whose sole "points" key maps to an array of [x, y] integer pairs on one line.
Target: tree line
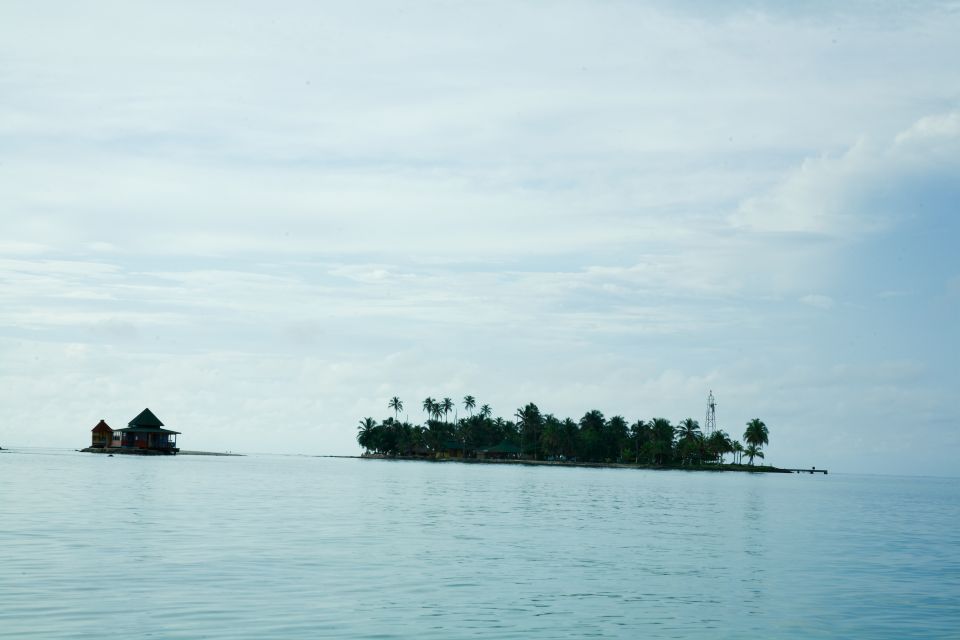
{"points": [[532, 434]]}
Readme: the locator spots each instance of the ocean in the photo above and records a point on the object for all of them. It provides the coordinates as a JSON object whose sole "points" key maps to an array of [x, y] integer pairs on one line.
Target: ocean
{"points": [[303, 547]]}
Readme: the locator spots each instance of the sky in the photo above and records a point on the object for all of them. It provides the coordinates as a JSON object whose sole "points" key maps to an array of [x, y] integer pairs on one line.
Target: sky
{"points": [[264, 221]]}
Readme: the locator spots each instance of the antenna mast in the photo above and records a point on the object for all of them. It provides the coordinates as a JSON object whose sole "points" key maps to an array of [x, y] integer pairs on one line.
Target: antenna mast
{"points": [[710, 425]]}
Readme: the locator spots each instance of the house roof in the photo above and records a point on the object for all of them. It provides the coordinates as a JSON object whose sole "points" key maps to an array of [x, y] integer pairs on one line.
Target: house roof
{"points": [[101, 427], [145, 419], [503, 447], [146, 430], [146, 422]]}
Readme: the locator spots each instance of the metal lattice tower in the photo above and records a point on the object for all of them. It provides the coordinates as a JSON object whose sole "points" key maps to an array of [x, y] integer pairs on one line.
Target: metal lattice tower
{"points": [[710, 425]]}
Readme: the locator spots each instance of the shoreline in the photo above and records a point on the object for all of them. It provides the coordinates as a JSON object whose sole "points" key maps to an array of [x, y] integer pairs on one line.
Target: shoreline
{"points": [[212, 453], [594, 465], [152, 452]]}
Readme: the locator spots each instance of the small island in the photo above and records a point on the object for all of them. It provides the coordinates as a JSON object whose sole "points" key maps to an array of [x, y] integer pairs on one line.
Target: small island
{"points": [[144, 435], [534, 437]]}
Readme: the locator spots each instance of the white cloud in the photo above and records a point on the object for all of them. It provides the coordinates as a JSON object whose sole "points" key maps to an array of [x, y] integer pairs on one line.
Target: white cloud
{"points": [[938, 131], [818, 301], [844, 195]]}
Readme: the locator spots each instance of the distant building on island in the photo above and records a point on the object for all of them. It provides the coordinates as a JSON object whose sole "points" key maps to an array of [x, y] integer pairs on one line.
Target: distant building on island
{"points": [[145, 434], [101, 435], [502, 451]]}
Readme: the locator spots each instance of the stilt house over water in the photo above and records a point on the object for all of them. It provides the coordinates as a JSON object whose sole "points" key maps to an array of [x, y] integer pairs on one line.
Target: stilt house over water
{"points": [[146, 432]]}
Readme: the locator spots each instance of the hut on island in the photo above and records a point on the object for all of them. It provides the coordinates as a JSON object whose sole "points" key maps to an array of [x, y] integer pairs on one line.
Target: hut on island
{"points": [[502, 451], [146, 433], [101, 435]]}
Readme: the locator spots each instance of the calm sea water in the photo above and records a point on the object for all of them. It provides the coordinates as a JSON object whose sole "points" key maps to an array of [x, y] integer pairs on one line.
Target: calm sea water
{"points": [[298, 547]]}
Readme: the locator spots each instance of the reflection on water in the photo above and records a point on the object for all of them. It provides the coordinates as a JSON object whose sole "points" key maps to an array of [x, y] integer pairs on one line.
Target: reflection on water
{"points": [[294, 547]]}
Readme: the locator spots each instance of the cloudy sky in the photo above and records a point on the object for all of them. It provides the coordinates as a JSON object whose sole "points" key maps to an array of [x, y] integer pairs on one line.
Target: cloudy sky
{"points": [[264, 220]]}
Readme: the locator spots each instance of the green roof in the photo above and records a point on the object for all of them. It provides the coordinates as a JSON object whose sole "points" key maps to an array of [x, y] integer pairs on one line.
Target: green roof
{"points": [[138, 429], [146, 419], [503, 447], [146, 422]]}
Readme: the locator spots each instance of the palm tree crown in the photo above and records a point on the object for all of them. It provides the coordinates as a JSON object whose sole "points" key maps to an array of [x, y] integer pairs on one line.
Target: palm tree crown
{"points": [[446, 406], [756, 433], [428, 406], [365, 432], [689, 430], [753, 451], [396, 404], [469, 402]]}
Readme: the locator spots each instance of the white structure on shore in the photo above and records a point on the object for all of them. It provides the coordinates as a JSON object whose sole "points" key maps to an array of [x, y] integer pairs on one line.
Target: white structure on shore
{"points": [[710, 424]]}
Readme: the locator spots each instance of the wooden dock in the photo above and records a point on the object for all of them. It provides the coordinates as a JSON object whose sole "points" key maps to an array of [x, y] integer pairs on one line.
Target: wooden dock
{"points": [[810, 470]]}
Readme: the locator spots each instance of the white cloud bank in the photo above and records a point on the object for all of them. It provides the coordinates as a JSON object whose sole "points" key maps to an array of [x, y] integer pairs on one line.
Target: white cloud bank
{"points": [[846, 195]]}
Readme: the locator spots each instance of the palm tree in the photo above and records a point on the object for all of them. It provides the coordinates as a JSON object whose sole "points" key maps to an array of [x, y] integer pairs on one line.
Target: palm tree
{"points": [[688, 430], [614, 435], [738, 451], [755, 436], [551, 440], [591, 435], [446, 405], [719, 445], [637, 431], [486, 411], [689, 438], [365, 433], [402, 438], [469, 402], [727, 445], [461, 431], [756, 433], [662, 445], [417, 439], [428, 405], [397, 405], [571, 433], [530, 421], [753, 451]]}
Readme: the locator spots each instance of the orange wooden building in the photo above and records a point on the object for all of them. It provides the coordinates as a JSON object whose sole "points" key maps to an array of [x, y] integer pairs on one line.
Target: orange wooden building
{"points": [[101, 435]]}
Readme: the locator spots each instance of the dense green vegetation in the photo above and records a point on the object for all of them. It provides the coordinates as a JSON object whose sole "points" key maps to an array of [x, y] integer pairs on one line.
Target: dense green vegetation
{"points": [[534, 435]]}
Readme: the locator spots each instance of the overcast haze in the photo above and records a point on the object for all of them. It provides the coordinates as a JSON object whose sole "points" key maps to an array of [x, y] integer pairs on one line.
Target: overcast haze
{"points": [[263, 221]]}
